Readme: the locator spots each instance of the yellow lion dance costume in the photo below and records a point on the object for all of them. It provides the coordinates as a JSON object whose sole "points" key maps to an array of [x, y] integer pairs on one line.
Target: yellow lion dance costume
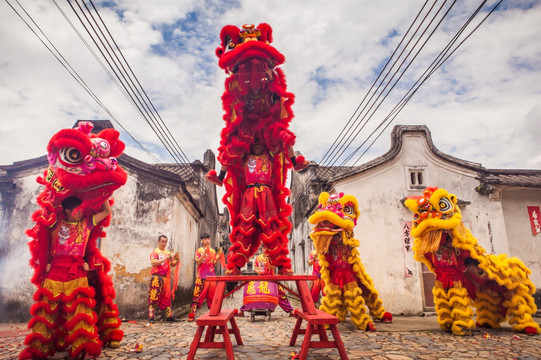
{"points": [[347, 286], [496, 285]]}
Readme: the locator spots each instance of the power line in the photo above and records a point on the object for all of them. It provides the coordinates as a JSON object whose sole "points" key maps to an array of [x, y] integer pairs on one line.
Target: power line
{"points": [[62, 60], [407, 67], [323, 160], [440, 60], [436, 64], [384, 92], [326, 171], [131, 89]]}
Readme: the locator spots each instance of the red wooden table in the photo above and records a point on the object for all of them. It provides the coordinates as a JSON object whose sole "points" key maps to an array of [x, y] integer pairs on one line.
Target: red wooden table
{"points": [[316, 320]]}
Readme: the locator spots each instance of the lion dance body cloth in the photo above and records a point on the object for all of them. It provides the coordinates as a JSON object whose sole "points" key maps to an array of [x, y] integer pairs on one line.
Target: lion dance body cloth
{"points": [[73, 307], [496, 285], [257, 108], [347, 286]]}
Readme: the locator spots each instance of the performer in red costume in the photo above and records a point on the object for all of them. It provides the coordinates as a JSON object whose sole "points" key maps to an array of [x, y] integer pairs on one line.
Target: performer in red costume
{"points": [[205, 258], [257, 106], [65, 290], [159, 294], [74, 302], [318, 284]]}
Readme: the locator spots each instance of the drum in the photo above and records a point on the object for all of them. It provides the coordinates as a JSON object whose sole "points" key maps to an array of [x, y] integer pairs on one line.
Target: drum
{"points": [[260, 295]]}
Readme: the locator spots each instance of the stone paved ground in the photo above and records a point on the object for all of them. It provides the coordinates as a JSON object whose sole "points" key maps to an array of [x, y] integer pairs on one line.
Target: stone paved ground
{"points": [[405, 338]]}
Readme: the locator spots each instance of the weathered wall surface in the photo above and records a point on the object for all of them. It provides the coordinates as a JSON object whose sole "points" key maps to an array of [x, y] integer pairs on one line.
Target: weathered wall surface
{"points": [[523, 244], [18, 203]]}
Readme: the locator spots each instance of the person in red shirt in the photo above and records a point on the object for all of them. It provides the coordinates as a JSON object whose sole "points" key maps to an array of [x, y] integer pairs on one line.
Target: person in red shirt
{"points": [[159, 295], [318, 284], [205, 259]]}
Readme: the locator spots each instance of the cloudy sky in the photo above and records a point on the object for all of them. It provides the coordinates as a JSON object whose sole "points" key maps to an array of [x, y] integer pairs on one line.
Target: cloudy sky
{"points": [[482, 105]]}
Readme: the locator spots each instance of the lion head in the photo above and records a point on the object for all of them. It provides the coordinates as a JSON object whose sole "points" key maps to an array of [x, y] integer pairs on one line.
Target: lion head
{"points": [[84, 165], [336, 214]]}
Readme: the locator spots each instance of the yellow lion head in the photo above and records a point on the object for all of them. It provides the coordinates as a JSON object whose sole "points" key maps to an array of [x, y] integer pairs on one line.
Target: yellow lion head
{"points": [[436, 209], [335, 214]]}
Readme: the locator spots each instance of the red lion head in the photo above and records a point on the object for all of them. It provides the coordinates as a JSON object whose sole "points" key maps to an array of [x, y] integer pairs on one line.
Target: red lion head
{"points": [[83, 164]]}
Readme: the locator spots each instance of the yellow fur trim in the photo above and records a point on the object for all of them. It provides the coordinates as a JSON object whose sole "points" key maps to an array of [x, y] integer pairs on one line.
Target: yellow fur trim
{"points": [[508, 272]]}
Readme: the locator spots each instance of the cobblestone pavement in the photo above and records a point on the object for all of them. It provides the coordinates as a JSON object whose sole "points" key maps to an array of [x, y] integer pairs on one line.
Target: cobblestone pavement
{"points": [[406, 338]]}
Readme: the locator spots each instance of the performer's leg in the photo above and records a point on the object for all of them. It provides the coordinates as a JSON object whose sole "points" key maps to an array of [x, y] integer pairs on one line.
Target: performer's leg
{"points": [[155, 290], [109, 330], [211, 290], [487, 309], [82, 334], [164, 302], [203, 294], [243, 236], [41, 341], [520, 308], [374, 304], [331, 303], [271, 231], [283, 301], [442, 306], [198, 287], [354, 301], [151, 313], [461, 312], [108, 316]]}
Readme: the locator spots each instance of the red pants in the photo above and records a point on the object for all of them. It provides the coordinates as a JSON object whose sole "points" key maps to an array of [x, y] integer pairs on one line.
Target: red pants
{"points": [[203, 290], [258, 222]]}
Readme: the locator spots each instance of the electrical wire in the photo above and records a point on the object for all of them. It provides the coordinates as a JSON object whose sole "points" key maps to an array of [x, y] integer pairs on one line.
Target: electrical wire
{"points": [[436, 64], [350, 123], [62, 60], [323, 172], [128, 85]]}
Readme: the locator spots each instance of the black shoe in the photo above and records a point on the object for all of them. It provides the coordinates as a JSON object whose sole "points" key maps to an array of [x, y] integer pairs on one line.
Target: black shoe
{"points": [[173, 319], [151, 321]]}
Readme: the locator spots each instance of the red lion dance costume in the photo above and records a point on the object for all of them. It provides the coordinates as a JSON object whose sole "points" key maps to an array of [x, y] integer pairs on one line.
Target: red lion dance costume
{"points": [[80, 313], [257, 110]]}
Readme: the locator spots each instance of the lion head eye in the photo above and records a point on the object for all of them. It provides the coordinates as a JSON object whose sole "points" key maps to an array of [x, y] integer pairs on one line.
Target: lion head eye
{"points": [[445, 205], [70, 156], [349, 210]]}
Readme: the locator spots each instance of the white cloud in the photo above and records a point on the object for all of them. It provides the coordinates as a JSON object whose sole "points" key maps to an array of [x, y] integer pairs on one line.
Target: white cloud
{"points": [[483, 105]]}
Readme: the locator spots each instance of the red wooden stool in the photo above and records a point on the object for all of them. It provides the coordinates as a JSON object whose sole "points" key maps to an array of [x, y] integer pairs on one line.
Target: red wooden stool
{"points": [[316, 323], [212, 321]]}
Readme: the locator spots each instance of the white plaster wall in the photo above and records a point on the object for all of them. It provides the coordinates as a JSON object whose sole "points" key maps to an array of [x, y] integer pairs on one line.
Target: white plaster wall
{"points": [[522, 243], [15, 272], [379, 230], [186, 241]]}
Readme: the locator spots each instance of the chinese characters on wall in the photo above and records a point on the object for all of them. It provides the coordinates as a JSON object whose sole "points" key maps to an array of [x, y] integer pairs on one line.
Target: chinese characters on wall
{"points": [[534, 214]]}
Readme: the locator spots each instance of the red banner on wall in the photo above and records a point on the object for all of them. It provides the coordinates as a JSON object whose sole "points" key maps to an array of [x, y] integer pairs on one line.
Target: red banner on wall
{"points": [[535, 219]]}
